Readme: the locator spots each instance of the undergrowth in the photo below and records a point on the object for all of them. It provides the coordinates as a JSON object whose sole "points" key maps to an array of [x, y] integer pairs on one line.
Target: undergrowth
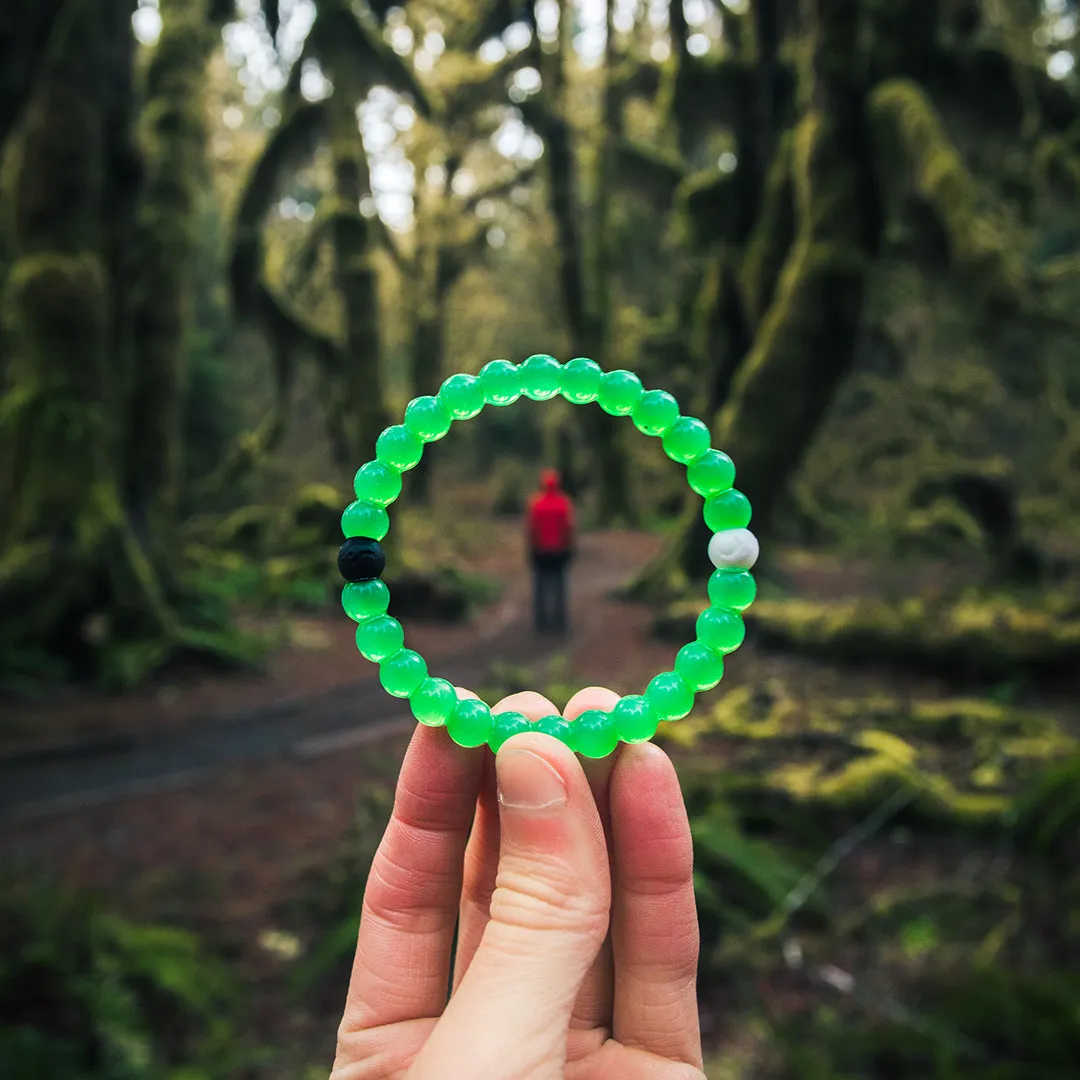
{"points": [[87, 995]]}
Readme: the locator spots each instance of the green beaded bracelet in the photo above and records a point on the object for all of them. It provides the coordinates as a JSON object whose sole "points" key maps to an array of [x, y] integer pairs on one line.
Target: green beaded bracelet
{"points": [[733, 550]]}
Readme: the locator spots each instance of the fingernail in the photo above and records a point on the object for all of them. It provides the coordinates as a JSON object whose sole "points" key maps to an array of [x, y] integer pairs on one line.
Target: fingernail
{"points": [[528, 782]]}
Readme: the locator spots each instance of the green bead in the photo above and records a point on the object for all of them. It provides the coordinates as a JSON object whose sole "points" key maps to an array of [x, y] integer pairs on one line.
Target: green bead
{"points": [[365, 519], [399, 447], [462, 397], [427, 419], [593, 734], [378, 483], [711, 473], [555, 726], [365, 599], [699, 666], [619, 392], [729, 510], [733, 589], [669, 696], [634, 719], [470, 722], [541, 377], [655, 412], [402, 673], [501, 382], [379, 637], [505, 724], [581, 380], [720, 629], [433, 701], [686, 439]]}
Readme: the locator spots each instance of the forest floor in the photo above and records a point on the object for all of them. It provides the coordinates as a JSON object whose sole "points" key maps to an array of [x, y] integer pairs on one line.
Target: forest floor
{"points": [[246, 789], [210, 801], [316, 695]]}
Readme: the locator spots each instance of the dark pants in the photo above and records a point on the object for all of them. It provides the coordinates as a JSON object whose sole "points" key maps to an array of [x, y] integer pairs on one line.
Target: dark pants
{"points": [[549, 591]]}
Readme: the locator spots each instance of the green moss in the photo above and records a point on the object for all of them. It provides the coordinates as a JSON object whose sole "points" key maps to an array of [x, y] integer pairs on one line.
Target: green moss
{"points": [[773, 713], [57, 429], [708, 336], [55, 307], [804, 343], [772, 235], [913, 143], [864, 783], [968, 717], [977, 634], [958, 760], [60, 180]]}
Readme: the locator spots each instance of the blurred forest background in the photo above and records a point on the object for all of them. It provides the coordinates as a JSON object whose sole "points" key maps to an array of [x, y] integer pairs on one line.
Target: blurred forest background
{"points": [[235, 240]]}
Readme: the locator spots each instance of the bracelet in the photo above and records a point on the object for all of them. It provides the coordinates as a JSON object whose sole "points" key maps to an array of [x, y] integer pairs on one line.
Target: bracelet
{"points": [[733, 550]]}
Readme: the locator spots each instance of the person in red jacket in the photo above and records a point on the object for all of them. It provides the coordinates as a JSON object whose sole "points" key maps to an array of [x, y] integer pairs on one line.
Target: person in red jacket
{"points": [[550, 540]]}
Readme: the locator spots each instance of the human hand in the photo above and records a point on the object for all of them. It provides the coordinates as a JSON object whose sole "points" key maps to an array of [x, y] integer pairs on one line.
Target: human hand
{"points": [[576, 955]]}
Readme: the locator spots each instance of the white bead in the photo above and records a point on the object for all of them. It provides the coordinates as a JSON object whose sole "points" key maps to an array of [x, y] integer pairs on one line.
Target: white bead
{"points": [[733, 549]]}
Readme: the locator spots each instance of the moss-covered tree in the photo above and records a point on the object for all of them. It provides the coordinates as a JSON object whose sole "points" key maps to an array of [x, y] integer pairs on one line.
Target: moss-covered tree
{"points": [[173, 137], [348, 355], [840, 164], [88, 561], [449, 235]]}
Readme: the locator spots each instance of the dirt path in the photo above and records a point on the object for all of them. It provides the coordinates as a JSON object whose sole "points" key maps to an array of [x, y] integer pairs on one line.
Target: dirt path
{"points": [[318, 698]]}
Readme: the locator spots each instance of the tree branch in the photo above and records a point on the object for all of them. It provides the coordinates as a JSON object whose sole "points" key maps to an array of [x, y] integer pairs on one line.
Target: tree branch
{"points": [[913, 142]]}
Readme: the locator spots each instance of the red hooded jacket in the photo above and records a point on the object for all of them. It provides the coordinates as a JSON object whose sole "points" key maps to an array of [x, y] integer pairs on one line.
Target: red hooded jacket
{"points": [[550, 519]]}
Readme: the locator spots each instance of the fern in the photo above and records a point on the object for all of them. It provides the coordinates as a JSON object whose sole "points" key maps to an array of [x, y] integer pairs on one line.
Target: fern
{"points": [[88, 995]]}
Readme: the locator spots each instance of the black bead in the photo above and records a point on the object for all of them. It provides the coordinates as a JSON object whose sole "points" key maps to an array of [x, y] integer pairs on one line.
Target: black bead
{"points": [[360, 559]]}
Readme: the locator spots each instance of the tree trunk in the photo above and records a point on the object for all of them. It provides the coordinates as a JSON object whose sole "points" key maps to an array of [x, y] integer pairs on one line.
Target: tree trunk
{"points": [[806, 340], [84, 580], [66, 547], [174, 141], [361, 406], [780, 324]]}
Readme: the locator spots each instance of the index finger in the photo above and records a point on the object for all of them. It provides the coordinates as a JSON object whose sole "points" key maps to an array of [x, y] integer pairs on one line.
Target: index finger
{"points": [[402, 965]]}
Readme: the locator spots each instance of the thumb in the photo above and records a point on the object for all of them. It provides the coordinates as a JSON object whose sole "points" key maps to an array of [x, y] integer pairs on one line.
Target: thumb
{"points": [[549, 917]]}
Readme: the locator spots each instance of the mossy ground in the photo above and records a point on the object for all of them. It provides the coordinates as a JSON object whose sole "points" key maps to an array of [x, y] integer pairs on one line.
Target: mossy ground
{"points": [[882, 845], [878, 861], [882, 856]]}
